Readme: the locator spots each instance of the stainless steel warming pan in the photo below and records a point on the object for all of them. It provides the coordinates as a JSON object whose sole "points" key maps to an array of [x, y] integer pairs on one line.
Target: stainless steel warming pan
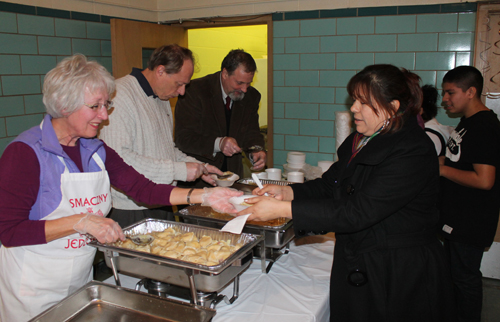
{"points": [[277, 233], [97, 301], [196, 277]]}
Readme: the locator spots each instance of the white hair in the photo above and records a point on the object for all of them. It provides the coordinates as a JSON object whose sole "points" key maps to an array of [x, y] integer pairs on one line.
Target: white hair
{"points": [[65, 85]]}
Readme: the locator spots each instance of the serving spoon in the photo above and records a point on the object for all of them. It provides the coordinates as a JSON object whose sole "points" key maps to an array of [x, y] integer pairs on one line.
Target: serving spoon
{"points": [[222, 176], [141, 240]]}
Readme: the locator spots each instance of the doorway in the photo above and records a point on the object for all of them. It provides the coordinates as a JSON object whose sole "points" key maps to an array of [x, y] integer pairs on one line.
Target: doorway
{"points": [[211, 45]]}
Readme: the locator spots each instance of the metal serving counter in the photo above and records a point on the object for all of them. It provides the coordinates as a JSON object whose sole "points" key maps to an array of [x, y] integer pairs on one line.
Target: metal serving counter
{"points": [[295, 290]]}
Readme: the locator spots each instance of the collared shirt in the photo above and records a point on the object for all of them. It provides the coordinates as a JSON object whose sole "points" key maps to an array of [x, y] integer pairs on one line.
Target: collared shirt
{"points": [[146, 87]]}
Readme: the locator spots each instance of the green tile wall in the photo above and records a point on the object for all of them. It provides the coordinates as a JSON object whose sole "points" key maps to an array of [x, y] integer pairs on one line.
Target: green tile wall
{"points": [[10, 64], [428, 40], [54, 46], [279, 110], [279, 141], [338, 44], [8, 22], [11, 105], [317, 61], [32, 41], [33, 25], [327, 112], [302, 78], [302, 111]]}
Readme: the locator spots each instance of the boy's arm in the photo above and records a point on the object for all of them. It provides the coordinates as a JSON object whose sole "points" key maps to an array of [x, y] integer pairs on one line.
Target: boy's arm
{"points": [[483, 176]]}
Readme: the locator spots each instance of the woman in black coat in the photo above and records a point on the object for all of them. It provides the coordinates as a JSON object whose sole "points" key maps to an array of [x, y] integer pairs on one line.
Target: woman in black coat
{"points": [[380, 200]]}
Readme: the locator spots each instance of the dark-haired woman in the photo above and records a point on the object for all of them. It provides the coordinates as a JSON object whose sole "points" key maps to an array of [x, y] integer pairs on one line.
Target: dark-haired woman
{"points": [[380, 200]]}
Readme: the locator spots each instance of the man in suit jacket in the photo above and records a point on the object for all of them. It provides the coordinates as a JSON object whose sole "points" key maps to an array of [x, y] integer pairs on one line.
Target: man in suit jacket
{"points": [[216, 120]]}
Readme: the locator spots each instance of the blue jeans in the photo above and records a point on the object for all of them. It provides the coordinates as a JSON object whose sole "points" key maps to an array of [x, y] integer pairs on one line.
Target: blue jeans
{"points": [[465, 263]]}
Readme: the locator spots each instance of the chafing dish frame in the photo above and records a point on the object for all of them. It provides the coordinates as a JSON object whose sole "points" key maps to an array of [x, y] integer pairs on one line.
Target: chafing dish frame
{"points": [[173, 271]]}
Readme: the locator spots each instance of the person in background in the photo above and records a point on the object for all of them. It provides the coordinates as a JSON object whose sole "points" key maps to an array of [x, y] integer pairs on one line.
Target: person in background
{"points": [[55, 188], [380, 200], [437, 132], [470, 190], [217, 118], [140, 131]]}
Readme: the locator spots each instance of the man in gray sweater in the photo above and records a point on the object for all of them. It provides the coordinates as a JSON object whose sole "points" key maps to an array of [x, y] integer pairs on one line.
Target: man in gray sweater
{"points": [[140, 130]]}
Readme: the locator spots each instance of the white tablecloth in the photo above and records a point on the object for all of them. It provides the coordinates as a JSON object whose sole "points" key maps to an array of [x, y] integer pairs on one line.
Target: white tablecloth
{"points": [[295, 290]]}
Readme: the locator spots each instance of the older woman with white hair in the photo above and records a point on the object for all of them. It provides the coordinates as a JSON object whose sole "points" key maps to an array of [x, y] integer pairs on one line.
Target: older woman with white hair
{"points": [[55, 188]]}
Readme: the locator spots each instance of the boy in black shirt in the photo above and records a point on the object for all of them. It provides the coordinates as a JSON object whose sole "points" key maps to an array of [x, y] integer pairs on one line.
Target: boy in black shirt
{"points": [[470, 189]]}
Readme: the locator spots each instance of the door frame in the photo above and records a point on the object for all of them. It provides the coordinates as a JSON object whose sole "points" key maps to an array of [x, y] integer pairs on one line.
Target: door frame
{"points": [[246, 21]]}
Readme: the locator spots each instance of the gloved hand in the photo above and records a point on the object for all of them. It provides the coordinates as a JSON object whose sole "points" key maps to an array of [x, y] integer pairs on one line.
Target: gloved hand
{"points": [[104, 229], [218, 199]]}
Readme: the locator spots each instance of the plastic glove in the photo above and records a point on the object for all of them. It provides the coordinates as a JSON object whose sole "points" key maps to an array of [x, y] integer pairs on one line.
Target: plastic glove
{"points": [[104, 229], [218, 199]]}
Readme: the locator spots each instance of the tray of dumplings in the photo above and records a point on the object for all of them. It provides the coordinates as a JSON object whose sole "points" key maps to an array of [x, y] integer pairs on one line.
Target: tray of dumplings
{"points": [[181, 254], [277, 232]]}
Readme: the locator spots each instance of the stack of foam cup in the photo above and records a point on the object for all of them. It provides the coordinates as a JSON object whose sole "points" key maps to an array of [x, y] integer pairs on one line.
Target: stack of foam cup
{"points": [[296, 160]]}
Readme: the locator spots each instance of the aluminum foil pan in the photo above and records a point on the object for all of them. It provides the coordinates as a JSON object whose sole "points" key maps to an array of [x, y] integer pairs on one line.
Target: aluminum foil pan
{"points": [[264, 181], [207, 212], [146, 226], [277, 233]]}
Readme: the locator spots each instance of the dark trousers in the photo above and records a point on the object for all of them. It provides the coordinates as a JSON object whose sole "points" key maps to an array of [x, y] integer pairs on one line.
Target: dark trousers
{"points": [[126, 218], [465, 263]]}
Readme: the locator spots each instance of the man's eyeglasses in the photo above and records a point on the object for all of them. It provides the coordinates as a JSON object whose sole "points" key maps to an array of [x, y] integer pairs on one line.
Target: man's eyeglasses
{"points": [[108, 105]]}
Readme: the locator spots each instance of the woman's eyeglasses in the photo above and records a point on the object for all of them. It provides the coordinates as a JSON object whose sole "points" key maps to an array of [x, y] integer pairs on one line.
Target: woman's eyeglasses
{"points": [[108, 105]]}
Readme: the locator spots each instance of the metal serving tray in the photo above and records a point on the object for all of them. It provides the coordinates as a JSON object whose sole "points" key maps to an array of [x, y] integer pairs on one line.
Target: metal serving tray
{"points": [[277, 233], [98, 301], [196, 277]]}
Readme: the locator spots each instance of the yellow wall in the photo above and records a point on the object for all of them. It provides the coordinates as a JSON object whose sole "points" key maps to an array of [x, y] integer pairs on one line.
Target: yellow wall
{"points": [[211, 45]]}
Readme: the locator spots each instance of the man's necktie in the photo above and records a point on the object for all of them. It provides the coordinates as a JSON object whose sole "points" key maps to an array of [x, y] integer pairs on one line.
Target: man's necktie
{"points": [[228, 119]]}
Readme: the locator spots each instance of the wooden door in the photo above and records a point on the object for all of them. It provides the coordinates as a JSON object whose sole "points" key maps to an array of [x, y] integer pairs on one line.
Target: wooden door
{"points": [[128, 38]]}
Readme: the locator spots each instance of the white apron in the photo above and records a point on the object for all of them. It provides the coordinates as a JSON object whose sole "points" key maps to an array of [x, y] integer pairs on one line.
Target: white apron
{"points": [[33, 278]]}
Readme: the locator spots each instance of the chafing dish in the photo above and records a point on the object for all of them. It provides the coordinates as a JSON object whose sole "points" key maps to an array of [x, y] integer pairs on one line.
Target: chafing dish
{"points": [[198, 278], [97, 301], [277, 233]]}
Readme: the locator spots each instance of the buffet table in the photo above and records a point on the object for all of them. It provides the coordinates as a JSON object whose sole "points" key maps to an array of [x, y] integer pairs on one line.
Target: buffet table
{"points": [[296, 288]]}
